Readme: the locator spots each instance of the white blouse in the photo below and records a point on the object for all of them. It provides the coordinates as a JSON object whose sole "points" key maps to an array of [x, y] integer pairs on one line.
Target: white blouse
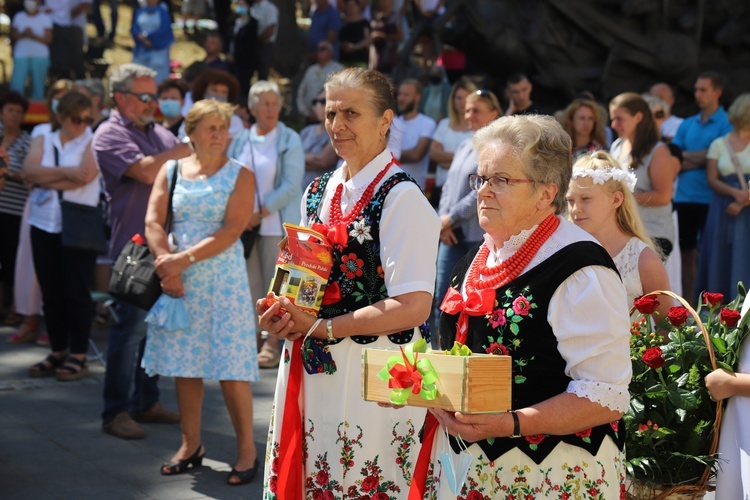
{"points": [[47, 216], [409, 226], [588, 314]]}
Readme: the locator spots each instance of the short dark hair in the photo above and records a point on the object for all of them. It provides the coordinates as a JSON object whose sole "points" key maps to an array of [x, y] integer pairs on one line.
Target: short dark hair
{"points": [[192, 71], [414, 83], [717, 79], [171, 84], [72, 104], [216, 76], [13, 97], [516, 78]]}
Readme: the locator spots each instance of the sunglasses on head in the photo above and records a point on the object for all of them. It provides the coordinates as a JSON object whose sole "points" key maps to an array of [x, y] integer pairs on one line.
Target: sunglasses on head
{"points": [[77, 120], [488, 95], [319, 101], [144, 97]]}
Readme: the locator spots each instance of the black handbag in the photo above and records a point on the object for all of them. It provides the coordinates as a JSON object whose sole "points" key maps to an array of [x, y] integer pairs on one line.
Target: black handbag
{"points": [[134, 278], [82, 226], [248, 237]]}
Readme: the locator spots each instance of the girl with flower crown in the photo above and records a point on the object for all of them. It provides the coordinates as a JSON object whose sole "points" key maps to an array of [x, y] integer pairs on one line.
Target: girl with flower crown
{"points": [[600, 200]]}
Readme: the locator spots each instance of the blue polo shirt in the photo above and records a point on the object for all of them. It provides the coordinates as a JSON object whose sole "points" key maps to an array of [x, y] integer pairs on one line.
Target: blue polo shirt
{"points": [[322, 21], [696, 135]]}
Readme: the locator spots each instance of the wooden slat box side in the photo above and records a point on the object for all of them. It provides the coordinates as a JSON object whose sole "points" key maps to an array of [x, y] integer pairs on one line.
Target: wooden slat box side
{"points": [[480, 383]]}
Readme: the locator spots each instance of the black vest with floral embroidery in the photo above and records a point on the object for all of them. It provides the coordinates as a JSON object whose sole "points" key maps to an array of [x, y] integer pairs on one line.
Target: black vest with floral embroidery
{"points": [[357, 268], [518, 325]]}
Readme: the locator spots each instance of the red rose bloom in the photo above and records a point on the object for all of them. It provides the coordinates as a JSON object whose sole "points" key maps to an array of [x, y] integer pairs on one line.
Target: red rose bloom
{"points": [[521, 306], [321, 478], [370, 483], [317, 494], [653, 357], [713, 299], [475, 495], [593, 492], [730, 317], [497, 349], [646, 305], [535, 439], [677, 315], [272, 484], [328, 495], [380, 495]]}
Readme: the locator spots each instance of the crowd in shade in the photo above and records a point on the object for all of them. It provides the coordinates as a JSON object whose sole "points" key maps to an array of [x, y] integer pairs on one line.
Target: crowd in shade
{"points": [[456, 213]]}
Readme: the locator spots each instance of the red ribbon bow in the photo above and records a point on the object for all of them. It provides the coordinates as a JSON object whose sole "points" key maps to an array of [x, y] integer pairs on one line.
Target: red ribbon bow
{"points": [[478, 303], [336, 233], [406, 375]]}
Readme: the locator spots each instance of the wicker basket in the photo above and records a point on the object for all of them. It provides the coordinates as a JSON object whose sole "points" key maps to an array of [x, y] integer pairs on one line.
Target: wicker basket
{"points": [[638, 490]]}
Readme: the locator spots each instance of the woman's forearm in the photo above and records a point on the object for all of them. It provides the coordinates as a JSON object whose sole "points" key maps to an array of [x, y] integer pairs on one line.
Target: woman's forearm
{"points": [[564, 414], [214, 244], [390, 315], [42, 176], [652, 198]]}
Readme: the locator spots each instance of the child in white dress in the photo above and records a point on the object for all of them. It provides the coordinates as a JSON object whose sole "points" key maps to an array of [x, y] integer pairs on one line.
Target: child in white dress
{"points": [[600, 200]]}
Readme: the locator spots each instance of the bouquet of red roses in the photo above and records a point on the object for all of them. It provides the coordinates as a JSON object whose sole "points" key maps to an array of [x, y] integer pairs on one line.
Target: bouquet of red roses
{"points": [[672, 424]]}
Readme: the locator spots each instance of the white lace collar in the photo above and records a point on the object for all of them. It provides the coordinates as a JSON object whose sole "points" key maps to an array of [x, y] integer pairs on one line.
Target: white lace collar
{"points": [[510, 246]]}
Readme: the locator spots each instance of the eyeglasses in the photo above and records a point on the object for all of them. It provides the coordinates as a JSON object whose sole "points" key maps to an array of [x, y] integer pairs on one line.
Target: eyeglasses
{"points": [[77, 120], [497, 183], [144, 97], [318, 101], [323, 47], [659, 114]]}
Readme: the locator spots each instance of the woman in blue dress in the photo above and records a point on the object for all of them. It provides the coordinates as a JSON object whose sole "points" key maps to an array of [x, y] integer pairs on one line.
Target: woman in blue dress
{"points": [[208, 332], [725, 243]]}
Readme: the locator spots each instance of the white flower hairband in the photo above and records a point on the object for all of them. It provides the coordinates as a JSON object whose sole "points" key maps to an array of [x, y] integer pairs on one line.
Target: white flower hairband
{"points": [[602, 176]]}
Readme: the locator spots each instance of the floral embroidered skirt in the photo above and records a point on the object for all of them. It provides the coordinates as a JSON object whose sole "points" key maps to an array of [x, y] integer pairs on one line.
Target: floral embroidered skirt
{"points": [[568, 472], [352, 448]]}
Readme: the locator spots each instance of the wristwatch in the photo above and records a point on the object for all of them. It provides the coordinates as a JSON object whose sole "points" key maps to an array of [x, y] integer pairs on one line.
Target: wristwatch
{"points": [[516, 425], [329, 331]]}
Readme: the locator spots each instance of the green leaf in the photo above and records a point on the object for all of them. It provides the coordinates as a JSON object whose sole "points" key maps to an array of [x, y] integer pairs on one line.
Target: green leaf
{"points": [[674, 368], [683, 399], [514, 328], [719, 344], [516, 319], [721, 364]]}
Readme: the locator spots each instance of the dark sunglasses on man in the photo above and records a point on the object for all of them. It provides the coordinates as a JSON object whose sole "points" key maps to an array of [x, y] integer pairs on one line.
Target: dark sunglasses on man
{"points": [[144, 97], [77, 120]]}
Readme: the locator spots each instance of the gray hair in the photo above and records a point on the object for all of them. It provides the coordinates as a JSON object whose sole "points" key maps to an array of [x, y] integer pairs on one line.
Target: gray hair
{"points": [[93, 85], [121, 80], [656, 103], [540, 144], [261, 87]]}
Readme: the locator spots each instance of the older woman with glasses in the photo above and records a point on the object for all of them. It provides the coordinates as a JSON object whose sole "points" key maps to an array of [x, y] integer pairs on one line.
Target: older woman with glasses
{"points": [[543, 291], [61, 166]]}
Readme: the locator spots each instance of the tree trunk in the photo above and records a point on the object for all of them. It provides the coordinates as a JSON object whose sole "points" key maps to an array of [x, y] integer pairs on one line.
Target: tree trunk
{"points": [[290, 47]]}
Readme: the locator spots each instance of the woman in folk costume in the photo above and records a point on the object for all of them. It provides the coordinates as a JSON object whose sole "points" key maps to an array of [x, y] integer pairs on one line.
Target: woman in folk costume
{"points": [[543, 291], [325, 442]]}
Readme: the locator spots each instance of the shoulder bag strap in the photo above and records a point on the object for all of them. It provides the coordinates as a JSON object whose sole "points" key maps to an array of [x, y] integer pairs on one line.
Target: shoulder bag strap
{"points": [[170, 215], [57, 164], [740, 177]]}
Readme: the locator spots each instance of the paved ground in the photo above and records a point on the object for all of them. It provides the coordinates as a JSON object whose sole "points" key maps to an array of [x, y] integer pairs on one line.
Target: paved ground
{"points": [[51, 444]]}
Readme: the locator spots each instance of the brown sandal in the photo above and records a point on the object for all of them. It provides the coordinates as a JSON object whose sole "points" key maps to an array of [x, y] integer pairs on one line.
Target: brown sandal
{"points": [[47, 367], [72, 369], [268, 357]]}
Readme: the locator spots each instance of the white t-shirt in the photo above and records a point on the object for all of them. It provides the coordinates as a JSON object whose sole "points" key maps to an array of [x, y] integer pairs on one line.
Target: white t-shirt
{"points": [[407, 218], [261, 155], [588, 314], [38, 23], [414, 129], [266, 14], [450, 139], [47, 215], [59, 11]]}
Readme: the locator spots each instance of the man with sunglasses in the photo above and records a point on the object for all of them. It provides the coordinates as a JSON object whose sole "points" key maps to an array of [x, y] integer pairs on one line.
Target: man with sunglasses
{"points": [[130, 149], [671, 122]]}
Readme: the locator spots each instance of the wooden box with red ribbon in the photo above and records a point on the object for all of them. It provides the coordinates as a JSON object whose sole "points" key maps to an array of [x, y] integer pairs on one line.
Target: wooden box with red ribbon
{"points": [[479, 383], [302, 268]]}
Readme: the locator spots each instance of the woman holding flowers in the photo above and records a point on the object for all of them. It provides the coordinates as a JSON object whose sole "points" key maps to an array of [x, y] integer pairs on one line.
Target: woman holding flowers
{"points": [[600, 201], [385, 236], [545, 292], [726, 243]]}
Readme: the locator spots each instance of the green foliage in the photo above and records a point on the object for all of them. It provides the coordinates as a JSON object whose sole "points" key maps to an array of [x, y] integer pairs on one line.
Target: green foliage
{"points": [[670, 424]]}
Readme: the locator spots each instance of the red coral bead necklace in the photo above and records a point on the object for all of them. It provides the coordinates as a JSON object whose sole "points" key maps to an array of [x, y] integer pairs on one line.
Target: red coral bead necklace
{"points": [[511, 268], [337, 217]]}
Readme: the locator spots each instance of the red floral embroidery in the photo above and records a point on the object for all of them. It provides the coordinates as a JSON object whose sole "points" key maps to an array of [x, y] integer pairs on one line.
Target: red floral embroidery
{"points": [[521, 306], [351, 265], [497, 349]]}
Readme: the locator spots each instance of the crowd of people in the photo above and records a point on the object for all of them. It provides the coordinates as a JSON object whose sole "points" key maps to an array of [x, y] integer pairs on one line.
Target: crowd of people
{"points": [[449, 213]]}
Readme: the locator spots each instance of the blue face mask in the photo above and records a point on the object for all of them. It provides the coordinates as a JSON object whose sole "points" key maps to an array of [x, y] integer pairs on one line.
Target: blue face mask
{"points": [[241, 10], [170, 108], [215, 97], [54, 104], [455, 468]]}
